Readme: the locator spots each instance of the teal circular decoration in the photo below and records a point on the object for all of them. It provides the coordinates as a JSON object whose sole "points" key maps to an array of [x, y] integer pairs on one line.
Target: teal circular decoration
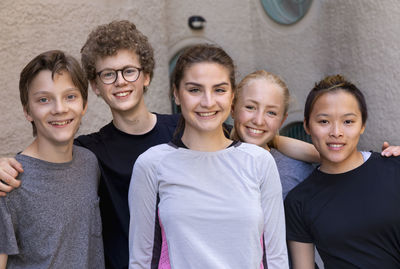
{"points": [[286, 11]]}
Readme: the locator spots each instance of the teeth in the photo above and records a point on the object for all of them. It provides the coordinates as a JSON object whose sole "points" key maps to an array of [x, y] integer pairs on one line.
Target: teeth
{"points": [[206, 114], [60, 123], [121, 94], [255, 131], [335, 145]]}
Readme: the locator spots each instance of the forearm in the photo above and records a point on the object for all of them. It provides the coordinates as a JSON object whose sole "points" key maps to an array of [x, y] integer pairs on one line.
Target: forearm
{"points": [[3, 261], [297, 149]]}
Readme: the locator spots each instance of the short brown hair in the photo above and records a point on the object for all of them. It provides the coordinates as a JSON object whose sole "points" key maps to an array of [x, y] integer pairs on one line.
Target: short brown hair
{"points": [[55, 61], [331, 84], [108, 39]]}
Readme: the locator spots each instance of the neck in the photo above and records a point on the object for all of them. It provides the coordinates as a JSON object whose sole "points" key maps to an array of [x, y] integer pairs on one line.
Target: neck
{"points": [[205, 141], [352, 162], [48, 152], [136, 121]]}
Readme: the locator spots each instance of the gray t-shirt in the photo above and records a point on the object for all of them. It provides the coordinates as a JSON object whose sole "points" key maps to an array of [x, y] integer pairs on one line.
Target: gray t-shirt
{"points": [[291, 171], [53, 219]]}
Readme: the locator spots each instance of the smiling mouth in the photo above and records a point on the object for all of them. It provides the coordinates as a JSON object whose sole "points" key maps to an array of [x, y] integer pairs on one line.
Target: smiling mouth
{"points": [[335, 146], [206, 114], [122, 94], [255, 131], [60, 123]]}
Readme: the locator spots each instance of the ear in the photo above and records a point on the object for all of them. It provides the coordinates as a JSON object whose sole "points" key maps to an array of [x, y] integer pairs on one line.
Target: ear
{"points": [[85, 108], [94, 87], [146, 79], [362, 129], [27, 116], [305, 127], [283, 120], [176, 97]]}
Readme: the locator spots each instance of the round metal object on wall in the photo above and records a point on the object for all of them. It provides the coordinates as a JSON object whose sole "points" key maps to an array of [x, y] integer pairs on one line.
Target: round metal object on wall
{"points": [[286, 11]]}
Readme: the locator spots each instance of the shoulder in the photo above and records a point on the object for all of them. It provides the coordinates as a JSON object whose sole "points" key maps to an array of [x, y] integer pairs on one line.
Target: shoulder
{"points": [[285, 161], [93, 138], [83, 153], [305, 189], [155, 155], [253, 150], [167, 119]]}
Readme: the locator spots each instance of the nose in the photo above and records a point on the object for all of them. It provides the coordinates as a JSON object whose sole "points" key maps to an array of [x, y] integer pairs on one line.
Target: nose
{"points": [[120, 79], [59, 107], [258, 118], [207, 99], [336, 130]]}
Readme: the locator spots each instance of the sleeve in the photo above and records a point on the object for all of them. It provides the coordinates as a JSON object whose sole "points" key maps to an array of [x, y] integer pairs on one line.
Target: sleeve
{"points": [[296, 227], [142, 199], [8, 240], [274, 218]]}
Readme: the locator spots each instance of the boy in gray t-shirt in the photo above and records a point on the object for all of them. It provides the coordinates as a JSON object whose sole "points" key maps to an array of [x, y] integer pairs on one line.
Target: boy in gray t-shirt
{"points": [[53, 219]]}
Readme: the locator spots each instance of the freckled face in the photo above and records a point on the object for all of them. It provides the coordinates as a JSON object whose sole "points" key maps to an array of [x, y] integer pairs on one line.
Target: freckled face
{"points": [[335, 127], [205, 95], [259, 112], [55, 106]]}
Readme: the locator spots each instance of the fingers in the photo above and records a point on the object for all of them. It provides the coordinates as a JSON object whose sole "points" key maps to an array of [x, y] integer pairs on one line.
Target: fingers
{"points": [[391, 151], [4, 188], [9, 169], [385, 145]]}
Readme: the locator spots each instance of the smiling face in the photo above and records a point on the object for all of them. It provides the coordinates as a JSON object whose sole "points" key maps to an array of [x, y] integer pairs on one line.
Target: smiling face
{"points": [[205, 95], [335, 125], [259, 112], [121, 96], [55, 106]]}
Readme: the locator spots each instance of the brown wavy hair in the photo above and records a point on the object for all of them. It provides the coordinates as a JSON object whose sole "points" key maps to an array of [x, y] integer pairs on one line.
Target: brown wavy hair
{"points": [[108, 39]]}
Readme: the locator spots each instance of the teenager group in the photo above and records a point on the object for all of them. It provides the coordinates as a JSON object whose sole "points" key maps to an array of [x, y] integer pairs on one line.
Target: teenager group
{"points": [[178, 191]]}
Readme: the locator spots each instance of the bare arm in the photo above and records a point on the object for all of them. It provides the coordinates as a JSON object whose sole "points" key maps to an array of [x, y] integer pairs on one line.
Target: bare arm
{"points": [[297, 149], [388, 150], [3, 261], [302, 255], [9, 170]]}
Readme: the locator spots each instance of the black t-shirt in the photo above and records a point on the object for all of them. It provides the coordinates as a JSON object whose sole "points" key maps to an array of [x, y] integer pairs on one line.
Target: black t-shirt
{"points": [[353, 218], [117, 152]]}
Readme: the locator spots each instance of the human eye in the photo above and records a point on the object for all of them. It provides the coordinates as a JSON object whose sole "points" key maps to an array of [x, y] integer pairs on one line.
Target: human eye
{"points": [[107, 74], [220, 90], [193, 90], [43, 100], [348, 122], [71, 97], [130, 71], [250, 107], [323, 121], [272, 113]]}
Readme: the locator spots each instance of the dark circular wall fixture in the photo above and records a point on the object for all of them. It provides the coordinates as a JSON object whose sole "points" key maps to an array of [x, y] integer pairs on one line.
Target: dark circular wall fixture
{"points": [[286, 11]]}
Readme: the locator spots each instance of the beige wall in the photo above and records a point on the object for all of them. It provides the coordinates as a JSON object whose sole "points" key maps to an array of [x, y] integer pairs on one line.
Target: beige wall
{"points": [[359, 38]]}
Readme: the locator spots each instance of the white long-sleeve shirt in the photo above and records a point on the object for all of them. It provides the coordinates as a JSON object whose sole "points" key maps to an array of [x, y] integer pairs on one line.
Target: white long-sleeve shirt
{"points": [[215, 209]]}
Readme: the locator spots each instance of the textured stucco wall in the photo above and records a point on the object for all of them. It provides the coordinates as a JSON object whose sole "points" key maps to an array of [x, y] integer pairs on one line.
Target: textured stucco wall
{"points": [[28, 28], [359, 38]]}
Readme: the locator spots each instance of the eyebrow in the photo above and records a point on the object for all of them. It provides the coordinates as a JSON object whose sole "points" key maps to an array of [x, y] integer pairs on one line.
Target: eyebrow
{"points": [[46, 92], [345, 115], [200, 85], [254, 101]]}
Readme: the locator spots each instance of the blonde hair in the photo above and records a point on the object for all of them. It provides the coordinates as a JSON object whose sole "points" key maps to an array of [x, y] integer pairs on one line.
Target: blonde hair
{"points": [[267, 76]]}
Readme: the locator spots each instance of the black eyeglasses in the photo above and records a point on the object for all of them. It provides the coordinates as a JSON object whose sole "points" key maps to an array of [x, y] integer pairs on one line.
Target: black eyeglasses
{"points": [[129, 73]]}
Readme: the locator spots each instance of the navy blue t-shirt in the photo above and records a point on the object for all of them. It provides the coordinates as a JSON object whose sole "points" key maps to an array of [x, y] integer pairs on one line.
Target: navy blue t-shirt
{"points": [[353, 218], [117, 152]]}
